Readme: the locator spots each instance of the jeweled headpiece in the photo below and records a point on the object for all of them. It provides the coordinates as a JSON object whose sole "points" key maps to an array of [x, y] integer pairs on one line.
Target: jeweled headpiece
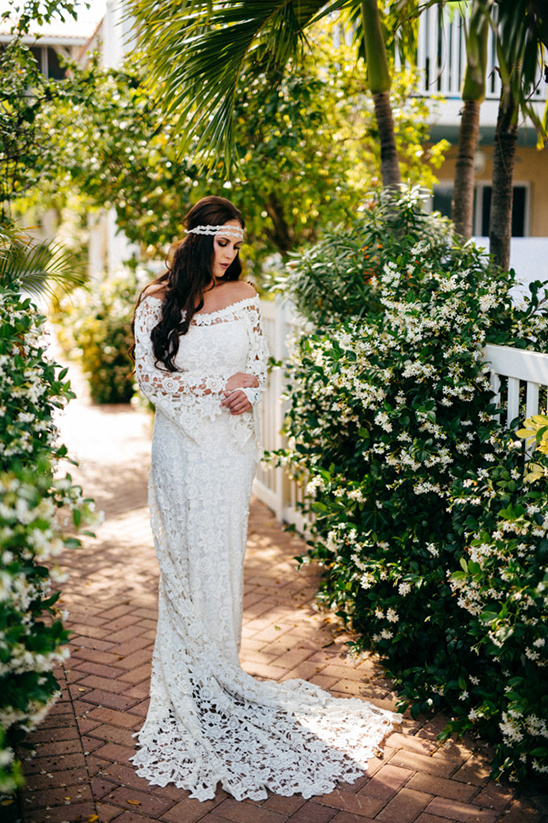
{"points": [[235, 231]]}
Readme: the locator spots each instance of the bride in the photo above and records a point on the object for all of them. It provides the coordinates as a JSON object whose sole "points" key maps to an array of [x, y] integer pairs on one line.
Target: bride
{"points": [[201, 359]]}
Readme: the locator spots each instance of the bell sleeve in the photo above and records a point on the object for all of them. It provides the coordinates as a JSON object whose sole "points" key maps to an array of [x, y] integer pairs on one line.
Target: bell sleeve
{"points": [[182, 396], [257, 355]]}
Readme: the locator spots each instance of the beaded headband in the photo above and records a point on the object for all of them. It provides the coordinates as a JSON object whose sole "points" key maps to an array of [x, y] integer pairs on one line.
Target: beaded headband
{"points": [[236, 231]]}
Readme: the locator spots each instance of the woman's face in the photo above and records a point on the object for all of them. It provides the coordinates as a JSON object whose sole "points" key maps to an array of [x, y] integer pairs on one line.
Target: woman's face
{"points": [[225, 249]]}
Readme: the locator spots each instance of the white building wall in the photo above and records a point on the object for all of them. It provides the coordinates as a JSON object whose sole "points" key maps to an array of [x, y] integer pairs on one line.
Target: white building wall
{"points": [[97, 244], [118, 39], [109, 248], [528, 257]]}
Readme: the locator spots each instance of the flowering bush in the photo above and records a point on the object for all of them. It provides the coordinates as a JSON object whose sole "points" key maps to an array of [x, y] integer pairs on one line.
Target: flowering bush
{"points": [[32, 636], [410, 474], [501, 520], [95, 327]]}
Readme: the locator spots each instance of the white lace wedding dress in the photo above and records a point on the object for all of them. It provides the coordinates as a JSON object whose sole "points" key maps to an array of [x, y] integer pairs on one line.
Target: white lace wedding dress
{"points": [[209, 722]]}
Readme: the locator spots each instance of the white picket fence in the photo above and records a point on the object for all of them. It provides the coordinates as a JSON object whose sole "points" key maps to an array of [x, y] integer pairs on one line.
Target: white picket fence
{"points": [[524, 373], [517, 377], [272, 484]]}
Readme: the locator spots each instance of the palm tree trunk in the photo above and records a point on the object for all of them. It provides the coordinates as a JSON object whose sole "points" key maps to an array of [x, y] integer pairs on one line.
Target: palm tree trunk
{"points": [[504, 155], [379, 81], [473, 94], [463, 191], [390, 168]]}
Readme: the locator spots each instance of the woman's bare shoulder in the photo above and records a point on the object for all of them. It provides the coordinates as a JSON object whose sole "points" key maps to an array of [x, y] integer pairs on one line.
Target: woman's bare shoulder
{"points": [[241, 289], [155, 290]]}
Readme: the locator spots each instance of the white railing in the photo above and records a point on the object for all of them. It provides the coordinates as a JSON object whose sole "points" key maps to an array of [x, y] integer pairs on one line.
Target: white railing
{"points": [[272, 484], [441, 56], [524, 372], [518, 379]]}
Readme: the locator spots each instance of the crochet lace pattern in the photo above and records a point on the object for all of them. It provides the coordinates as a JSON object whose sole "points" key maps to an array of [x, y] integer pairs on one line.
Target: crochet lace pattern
{"points": [[209, 722]]}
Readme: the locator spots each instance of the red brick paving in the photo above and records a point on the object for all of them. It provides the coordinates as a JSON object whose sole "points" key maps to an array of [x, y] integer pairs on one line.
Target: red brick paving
{"points": [[80, 770]]}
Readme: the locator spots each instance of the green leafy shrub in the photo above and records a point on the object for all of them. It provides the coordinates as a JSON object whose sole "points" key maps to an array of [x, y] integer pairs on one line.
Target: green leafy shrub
{"points": [[334, 279], [392, 422], [500, 538], [32, 636], [95, 328]]}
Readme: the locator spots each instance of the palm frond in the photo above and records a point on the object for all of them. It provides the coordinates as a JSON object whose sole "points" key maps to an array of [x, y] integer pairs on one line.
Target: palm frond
{"points": [[197, 51], [520, 32], [37, 267], [400, 23]]}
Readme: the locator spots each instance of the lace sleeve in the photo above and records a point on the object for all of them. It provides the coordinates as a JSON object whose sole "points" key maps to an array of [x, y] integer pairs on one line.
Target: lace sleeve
{"points": [[257, 357], [175, 393]]}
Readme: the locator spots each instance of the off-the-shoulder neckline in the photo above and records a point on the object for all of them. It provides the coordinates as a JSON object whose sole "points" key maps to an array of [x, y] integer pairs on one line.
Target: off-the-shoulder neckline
{"points": [[230, 307]]}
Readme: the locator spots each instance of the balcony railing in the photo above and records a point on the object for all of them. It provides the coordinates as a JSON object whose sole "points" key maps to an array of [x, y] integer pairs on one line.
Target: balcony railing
{"points": [[441, 57]]}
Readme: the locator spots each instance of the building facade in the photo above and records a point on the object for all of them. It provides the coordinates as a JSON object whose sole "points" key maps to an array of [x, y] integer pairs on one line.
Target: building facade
{"points": [[441, 62]]}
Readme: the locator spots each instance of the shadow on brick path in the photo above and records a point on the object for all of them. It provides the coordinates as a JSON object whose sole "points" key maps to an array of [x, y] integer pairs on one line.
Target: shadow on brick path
{"points": [[80, 769]]}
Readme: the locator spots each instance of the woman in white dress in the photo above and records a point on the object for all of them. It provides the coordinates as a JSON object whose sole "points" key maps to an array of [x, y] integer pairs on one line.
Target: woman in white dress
{"points": [[201, 359]]}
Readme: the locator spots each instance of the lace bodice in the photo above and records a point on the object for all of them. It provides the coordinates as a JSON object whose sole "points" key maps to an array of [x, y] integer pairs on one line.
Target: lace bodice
{"points": [[217, 345]]}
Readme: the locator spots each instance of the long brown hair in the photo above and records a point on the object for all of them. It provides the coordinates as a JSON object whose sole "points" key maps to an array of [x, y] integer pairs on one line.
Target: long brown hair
{"points": [[189, 273]]}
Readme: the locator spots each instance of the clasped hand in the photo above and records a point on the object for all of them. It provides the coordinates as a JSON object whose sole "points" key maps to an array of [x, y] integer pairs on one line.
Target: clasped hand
{"points": [[235, 401]]}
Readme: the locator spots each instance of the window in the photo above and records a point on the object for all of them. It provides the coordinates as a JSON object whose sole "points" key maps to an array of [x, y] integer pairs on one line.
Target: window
{"points": [[48, 61], [55, 71], [443, 195], [482, 214]]}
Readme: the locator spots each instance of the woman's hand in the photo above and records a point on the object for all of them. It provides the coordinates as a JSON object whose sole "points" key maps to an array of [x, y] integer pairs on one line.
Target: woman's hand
{"points": [[236, 402], [240, 380]]}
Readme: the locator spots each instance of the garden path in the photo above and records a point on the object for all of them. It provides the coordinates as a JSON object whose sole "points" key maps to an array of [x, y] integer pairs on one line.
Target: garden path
{"points": [[81, 770]]}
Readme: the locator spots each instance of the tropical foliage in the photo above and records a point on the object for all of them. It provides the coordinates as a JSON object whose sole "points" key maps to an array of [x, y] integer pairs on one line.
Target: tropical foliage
{"points": [[473, 94], [196, 56], [313, 131], [26, 150], [33, 491], [36, 266], [36, 496], [432, 543], [26, 155], [94, 327], [183, 50], [522, 40]]}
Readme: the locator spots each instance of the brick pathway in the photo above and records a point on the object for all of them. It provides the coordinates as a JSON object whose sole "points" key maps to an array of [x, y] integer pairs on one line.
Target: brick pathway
{"points": [[80, 770]]}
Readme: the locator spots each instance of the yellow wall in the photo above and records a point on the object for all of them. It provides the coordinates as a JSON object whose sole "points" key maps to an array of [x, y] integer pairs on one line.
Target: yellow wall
{"points": [[531, 168]]}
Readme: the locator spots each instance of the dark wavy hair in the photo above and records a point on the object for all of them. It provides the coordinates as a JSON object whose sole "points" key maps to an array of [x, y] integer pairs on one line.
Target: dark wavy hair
{"points": [[189, 273]]}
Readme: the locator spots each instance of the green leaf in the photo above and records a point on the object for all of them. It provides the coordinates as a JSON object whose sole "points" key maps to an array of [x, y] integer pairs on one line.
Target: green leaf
{"points": [[488, 617]]}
